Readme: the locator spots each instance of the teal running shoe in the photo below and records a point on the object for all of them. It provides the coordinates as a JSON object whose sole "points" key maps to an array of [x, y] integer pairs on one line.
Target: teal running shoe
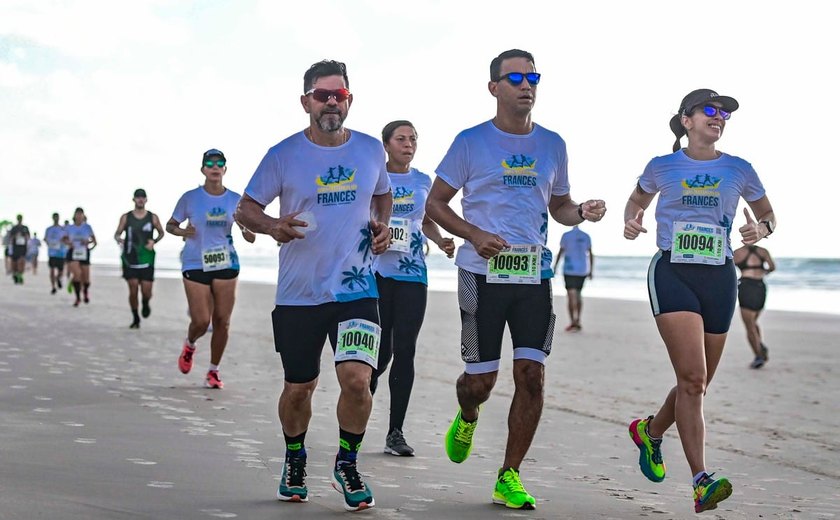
{"points": [[708, 492], [293, 481], [459, 439], [650, 456], [346, 480]]}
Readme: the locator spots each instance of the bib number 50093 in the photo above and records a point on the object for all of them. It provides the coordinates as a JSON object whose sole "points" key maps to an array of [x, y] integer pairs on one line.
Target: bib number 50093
{"points": [[215, 259]]}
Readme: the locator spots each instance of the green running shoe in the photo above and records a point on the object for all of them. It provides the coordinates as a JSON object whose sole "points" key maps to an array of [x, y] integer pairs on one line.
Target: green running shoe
{"points": [[459, 439], [708, 492], [650, 457], [510, 493]]}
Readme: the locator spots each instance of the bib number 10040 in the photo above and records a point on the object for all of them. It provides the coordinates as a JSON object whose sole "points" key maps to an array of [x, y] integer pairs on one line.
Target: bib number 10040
{"points": [[517, 264], [358, 340]]}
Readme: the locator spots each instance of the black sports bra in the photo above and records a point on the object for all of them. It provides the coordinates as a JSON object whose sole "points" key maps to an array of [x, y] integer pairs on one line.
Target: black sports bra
{"points": [[743, 263]]}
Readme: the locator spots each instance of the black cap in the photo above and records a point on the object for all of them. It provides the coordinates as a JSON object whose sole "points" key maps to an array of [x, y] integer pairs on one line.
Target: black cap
{"points": [[212, 153], [139, 192], [693, 100]]}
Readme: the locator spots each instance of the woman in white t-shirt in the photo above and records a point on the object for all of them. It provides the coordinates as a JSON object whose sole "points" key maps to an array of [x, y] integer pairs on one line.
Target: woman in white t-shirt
{"points": [[691, 279], [209, 263], [401, 276], [81, 241]]}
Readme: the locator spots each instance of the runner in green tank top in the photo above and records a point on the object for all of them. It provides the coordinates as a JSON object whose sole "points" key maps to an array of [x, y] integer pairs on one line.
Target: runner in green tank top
{"points": [[138, 253]]}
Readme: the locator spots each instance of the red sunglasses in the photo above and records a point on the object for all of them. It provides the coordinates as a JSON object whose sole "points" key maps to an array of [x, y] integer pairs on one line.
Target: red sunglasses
{"points": [[323, 95]]}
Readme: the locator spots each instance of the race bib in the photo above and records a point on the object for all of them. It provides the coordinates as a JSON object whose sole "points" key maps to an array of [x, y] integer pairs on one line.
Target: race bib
{"points": [[400, 234], [20, 240], [216, 259], [358, 340], [696, 243], [516, 264], [79, 254]]}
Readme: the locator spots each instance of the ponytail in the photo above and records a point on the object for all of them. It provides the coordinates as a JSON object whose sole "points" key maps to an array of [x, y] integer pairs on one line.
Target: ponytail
{"points": [[678, 129]]}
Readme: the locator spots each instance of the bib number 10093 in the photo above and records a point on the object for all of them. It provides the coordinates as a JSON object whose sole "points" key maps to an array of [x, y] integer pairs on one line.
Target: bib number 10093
{"points": [[517, 264]]}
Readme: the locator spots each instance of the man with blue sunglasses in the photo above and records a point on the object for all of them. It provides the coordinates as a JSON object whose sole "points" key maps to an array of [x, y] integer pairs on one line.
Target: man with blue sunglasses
{"points": [[514, 175]]}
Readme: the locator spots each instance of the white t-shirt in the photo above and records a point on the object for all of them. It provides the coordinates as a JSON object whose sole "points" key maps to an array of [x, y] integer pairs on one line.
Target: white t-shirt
{"points": [[53, 236], [698, 191], [335, 183], [79, 235], [507, 182], [576, 245], [212, 218], [410, 193]]}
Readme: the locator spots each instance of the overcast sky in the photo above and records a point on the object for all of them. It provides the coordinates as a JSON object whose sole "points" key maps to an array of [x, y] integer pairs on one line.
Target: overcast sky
{"points": [[98, 98]]}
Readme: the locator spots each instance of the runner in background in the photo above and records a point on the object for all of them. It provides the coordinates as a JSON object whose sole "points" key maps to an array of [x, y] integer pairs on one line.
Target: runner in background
{"points": [[578, 262], [138, 253], [56, 252], [754, 262]]}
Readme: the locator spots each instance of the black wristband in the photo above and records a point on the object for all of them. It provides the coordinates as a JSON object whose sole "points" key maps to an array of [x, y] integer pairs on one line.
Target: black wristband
{"points": [[580, 211]]}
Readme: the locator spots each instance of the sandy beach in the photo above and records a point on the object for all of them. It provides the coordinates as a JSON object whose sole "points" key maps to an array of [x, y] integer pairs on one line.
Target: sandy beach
{"points": [[97, 421]]}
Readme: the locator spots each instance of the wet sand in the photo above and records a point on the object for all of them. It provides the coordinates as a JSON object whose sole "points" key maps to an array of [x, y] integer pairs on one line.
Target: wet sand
{"points": [[97, 421]]}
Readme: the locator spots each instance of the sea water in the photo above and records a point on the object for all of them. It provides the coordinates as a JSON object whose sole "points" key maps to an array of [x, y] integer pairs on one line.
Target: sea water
{"points": [[798, 284]]}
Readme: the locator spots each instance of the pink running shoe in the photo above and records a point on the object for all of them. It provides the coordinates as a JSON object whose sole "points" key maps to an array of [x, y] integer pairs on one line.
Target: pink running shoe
{"points": [[185, 361], [213, 380]]}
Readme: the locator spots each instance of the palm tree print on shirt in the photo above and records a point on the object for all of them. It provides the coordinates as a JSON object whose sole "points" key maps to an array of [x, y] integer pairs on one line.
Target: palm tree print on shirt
{"points": [[366, 244], [353, 277], [416, 243], [410, 266]]}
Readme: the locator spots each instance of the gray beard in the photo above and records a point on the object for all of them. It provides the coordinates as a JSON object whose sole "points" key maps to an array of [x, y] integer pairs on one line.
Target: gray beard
{"points": [[330, 125]]}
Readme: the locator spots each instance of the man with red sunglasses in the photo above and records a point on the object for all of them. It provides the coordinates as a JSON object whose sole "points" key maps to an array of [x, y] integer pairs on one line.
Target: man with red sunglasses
{"points": [[329, 181], [514, 175]]}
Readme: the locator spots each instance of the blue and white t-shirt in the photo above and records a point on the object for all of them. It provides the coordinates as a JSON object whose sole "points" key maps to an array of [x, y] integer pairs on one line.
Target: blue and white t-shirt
{"points": [[576, 245], [212, 218], [507, 182], [53, 237], [337, 184], [410, 192], [79, 235], [698, 191]]}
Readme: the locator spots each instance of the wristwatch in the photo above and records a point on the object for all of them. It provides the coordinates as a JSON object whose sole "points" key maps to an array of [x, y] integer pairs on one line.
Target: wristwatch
{"points": [[770, 227]]}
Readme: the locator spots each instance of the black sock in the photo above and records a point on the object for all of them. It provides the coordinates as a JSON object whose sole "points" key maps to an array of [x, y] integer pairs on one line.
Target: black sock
{"points": [[87, 285], [136, 315], [348, 445], [77, 287], [294, 445]]}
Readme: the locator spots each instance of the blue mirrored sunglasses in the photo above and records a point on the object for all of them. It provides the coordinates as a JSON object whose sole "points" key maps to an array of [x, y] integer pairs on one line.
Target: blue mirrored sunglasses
{"points": [[712, 111], [515, 78]]}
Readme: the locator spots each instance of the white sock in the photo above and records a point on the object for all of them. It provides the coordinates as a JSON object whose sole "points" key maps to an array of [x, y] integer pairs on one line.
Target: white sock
{"points": [[190, 343], [698, 476], [213, 368]]}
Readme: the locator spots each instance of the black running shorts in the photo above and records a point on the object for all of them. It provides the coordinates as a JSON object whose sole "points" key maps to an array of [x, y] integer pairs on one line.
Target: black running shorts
{"points": [[708, 290], [485, 309], [300, 333], [752, 294]]}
